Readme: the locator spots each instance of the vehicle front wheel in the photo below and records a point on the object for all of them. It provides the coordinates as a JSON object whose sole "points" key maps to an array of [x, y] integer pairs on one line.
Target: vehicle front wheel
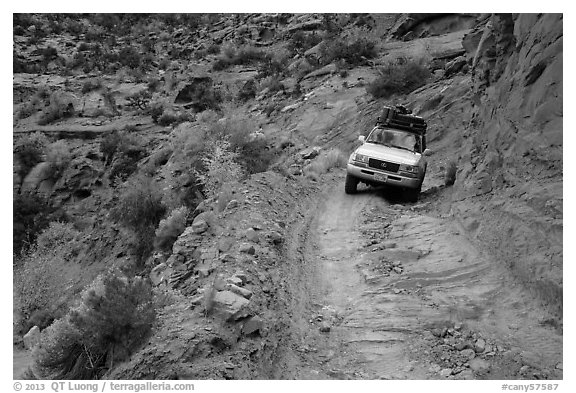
{"points": [[413, 194], [351, 184]]}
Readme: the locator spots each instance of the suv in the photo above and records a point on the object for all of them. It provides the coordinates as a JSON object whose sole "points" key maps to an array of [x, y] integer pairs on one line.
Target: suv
{"points": [[393, 154]]}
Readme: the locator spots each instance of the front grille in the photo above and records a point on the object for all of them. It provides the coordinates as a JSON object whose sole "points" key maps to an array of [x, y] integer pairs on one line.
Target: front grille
{"points": [[383, 165]]}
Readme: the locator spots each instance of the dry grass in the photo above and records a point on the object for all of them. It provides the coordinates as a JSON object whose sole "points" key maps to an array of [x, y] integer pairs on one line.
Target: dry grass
{"points": [[333, 158]]}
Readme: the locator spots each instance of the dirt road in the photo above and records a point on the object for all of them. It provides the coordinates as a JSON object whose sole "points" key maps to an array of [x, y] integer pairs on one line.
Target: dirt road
{"points": [[393, 290]]}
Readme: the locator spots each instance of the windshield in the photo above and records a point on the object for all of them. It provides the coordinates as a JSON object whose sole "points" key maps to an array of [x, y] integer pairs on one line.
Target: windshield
{"points": [[395, 138]]}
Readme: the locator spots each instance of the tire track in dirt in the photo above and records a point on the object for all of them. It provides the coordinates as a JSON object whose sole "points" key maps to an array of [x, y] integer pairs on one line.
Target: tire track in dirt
{"points": [[384, 276]]}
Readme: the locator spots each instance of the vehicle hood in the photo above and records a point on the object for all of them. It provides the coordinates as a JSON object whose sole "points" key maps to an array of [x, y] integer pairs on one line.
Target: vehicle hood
{"points": [[389, 154]]}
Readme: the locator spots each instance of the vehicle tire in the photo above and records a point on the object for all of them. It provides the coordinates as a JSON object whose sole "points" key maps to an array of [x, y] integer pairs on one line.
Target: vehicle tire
{"points": [[413, 194], [351, 184]]}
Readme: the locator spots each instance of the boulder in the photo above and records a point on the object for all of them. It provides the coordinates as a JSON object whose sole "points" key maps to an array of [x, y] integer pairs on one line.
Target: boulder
{"points": [[479, 365], [310, 153], [32, 338], [39, 175], [230, 305], [480, 345], [446, 372], [247, 248], [275, 237], [199, 226], [454, 66], [246, 293], [253, 325], [160, 274], [252, 235], [468, 353]]}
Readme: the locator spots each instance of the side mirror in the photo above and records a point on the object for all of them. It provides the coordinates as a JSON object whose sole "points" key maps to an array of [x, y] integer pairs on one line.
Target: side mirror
{"points": [[427, 152], [362, 138]]}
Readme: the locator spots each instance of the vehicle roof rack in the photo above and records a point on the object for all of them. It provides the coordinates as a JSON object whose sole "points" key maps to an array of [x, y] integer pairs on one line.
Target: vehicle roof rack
{"points": [[400, 118]]}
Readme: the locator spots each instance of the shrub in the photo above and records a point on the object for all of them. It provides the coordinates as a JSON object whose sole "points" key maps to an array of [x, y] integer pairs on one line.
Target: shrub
{"points": [[121, 142], [27, 109], [59, 157], [220, 168], [213, 49], [32, 213], [170, 228], [129, 57], [59, 108], [245, 55], [153, 84], [247, 91], [332, 159], [251, 152], [301, 41], [115, 316], [91, 85], [39, 283], [140, 100], [272, 83], [57, 234], [49, 54], [170, 118], [140, 209], [400, 77], [354, 53], [30, 150]]}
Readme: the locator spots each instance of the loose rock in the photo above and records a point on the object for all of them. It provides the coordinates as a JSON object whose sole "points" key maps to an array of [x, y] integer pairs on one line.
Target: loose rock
{"points": [[32, 338]]}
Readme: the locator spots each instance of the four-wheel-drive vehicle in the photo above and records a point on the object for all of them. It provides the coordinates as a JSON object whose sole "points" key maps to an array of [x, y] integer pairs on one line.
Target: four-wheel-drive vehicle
{"points": [[394, 154]]}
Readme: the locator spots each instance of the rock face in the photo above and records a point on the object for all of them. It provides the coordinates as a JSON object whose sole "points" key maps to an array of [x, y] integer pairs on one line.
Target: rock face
{"points": [[512, 155], [410, 26], [32, 338], [230, 305]]}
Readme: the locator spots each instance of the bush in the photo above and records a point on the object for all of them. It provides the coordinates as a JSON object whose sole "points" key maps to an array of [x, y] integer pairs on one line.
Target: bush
{"points": [[56, 235], [58, 109], [245, 55], [115, 316], [170, 228], [332, 159], [30, 150], [247, 91], [49, 54], [39, 285], [32, 213], [119, 142], [59, 157], [140, 100], [220, 168], [251, 152], [129, 57], [140, 209], [301, 41], [170, 118], [91, 85], [400, 77], [355, 53], [27, 109]]}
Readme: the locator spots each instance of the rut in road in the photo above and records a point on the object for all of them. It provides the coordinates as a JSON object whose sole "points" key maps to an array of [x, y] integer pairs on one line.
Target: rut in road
{"points": [[385, 276]]}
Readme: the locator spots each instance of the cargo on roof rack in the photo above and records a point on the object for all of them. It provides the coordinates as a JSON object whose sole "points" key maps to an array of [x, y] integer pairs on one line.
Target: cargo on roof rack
{"points": [[400, 118]]}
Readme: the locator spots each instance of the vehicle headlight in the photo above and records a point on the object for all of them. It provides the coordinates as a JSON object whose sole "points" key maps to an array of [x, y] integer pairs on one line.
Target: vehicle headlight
{"points": [[360, 158], [409, 168]]}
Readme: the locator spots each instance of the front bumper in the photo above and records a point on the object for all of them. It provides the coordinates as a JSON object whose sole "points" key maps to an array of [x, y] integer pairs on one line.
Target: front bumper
{"points": [[374, 176]]}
